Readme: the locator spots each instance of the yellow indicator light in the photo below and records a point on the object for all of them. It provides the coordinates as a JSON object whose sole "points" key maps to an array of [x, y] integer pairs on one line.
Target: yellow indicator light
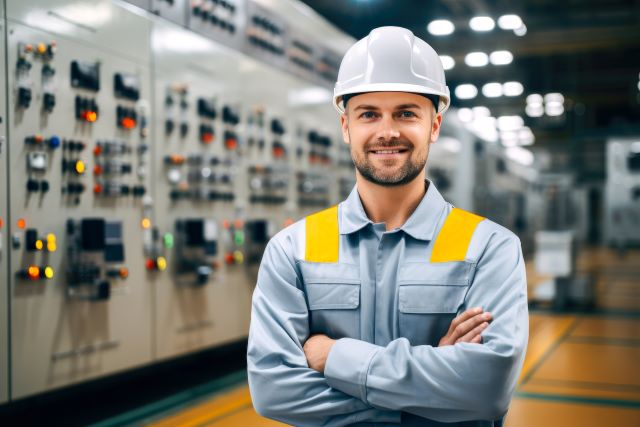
{"points": [[51, 238], [48, 272], [51, 246], [42, 48], [39, 245], [238, 257], [161, 263], [146, 223], [80, 167]]}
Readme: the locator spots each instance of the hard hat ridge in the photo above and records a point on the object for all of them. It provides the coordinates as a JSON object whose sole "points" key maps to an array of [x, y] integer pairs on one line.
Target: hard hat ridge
{"points": [[391, 59]]}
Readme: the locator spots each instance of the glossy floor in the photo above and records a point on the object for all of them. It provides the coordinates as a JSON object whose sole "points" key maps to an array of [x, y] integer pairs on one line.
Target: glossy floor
{"points": [[582, 368]]}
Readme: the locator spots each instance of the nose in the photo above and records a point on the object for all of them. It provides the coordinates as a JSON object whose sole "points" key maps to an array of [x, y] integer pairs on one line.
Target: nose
{"points": [[388, 128]]}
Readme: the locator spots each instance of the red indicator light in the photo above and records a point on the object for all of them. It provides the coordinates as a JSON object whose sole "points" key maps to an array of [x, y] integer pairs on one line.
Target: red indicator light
{"points": [[231, 143], [128, 123]]}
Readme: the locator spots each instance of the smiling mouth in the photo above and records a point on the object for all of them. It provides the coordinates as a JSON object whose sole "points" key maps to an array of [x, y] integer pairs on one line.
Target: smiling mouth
{"points": [[389, 151]]}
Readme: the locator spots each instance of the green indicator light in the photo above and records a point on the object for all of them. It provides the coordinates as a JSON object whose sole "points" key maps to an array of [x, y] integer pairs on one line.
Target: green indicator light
{"points": [[239, 238], [168, 240]]}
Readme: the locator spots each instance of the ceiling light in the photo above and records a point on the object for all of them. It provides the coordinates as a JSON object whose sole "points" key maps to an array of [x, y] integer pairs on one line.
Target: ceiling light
{"points": [[554, 97], [447, 62], [510, 123], [492, 90], [476, 59], [534, 110], [520, 31], [466, 91], [512, 88], [509, 22], [509, 139], [534, 99], [525, 136], [482, 23], [501, 57], [441, 27], [554, 109], [481, 111], [465, 115]]}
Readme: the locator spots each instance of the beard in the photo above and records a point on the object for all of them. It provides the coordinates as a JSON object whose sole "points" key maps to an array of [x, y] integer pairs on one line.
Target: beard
{"points": [[407, 172]]}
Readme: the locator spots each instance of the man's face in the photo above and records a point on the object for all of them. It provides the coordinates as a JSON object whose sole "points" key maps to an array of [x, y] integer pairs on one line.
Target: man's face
{"points": [[389, 135]]}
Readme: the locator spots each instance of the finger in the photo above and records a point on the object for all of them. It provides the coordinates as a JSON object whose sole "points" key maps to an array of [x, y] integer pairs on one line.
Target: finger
{"points": [[473, 333], [467, 326], [474, 311], [477, 339]]}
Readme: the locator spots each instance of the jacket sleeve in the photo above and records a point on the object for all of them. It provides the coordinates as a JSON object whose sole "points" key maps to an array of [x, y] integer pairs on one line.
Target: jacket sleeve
{"points": [[455, 383], [282, 385]]}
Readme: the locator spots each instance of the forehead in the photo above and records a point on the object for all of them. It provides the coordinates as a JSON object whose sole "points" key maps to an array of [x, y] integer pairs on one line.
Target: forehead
{"points": [[388, 100]]}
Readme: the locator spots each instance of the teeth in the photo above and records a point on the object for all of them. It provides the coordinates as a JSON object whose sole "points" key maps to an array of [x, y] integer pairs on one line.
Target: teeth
{"points": [[388, 152]]}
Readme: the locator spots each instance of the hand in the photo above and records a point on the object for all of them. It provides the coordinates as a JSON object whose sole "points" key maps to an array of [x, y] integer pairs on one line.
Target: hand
{"points": [[316, 350], [467, 327]]}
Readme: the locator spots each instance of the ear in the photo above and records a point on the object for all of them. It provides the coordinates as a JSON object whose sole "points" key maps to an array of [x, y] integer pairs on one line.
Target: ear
{"points": [[435, 127], [344, 124]]}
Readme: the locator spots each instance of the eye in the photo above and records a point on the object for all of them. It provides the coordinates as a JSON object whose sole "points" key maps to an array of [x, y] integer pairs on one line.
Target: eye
{"points": [[407, 114], [368, 115]]}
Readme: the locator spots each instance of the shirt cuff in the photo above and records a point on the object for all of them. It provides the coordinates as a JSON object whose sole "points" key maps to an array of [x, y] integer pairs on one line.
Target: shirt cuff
{"points": [[347, 366]]}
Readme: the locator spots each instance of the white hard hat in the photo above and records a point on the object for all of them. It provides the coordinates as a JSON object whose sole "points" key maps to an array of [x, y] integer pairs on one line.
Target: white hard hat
{"points": [[391, 59]]}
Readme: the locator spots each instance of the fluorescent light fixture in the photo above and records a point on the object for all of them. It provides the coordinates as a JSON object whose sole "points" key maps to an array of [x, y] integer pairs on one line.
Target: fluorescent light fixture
{"points": [[520, 155], [509, 22], [553, 109], [466, 91], [465, 115], [534, 99], [510, 123], [512, 88], [534, 110], [313, 95], [484, 127], [509, 139], [482, 23], [501, 57], [441, 27], [525, 136], [554, 97], [520, 31], [476, 59], [492, 90], [447, 62], [481, 111]]}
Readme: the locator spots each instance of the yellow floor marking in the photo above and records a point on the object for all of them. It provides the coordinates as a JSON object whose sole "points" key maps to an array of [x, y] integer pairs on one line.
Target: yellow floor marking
{"points": [[208, 411], [535, 413], [544, 332]]}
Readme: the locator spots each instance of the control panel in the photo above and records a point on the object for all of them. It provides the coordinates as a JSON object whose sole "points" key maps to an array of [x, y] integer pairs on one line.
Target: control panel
{"points": [[152, 158]]}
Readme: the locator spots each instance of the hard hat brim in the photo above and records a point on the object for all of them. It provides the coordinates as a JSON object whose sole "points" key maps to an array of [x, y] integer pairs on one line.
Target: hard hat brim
{"points": [[393, 87]]}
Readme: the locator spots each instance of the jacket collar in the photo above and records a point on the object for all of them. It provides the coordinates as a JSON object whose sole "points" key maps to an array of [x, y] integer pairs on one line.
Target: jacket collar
{"points": [[420, 225]]}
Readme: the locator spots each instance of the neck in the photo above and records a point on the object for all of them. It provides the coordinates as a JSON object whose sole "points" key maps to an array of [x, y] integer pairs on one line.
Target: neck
{"points": [[391, 205]]}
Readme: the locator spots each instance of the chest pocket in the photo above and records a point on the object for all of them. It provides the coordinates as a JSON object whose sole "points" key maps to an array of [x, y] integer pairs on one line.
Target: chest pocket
{"points": [[333, 298], [429, 297]]}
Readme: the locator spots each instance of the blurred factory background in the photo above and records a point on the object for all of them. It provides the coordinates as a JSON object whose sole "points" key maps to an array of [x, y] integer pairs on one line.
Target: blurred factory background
{"points": [[149, 149]]}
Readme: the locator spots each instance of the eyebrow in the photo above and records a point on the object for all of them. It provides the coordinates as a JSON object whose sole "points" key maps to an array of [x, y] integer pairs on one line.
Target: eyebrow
{"points": [[398, 107]]}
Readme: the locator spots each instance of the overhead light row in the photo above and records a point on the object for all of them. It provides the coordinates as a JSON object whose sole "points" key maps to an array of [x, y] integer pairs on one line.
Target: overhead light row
{"points": [[479, 59], [511, 22], [552, 104], [489, 90]]}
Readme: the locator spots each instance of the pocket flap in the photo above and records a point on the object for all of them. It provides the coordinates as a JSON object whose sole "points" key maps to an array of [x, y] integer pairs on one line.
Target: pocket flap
{"points": [[333, 296], [318, 272], [458, 273], [430, 298]]}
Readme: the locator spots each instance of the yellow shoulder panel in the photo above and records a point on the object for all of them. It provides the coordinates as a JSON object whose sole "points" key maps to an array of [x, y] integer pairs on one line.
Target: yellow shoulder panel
{"points": [[453, 240], [323, 237]]}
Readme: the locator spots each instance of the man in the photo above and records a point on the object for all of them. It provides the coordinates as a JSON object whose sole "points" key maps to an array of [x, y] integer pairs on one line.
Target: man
{"points": [[354, 313]]}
